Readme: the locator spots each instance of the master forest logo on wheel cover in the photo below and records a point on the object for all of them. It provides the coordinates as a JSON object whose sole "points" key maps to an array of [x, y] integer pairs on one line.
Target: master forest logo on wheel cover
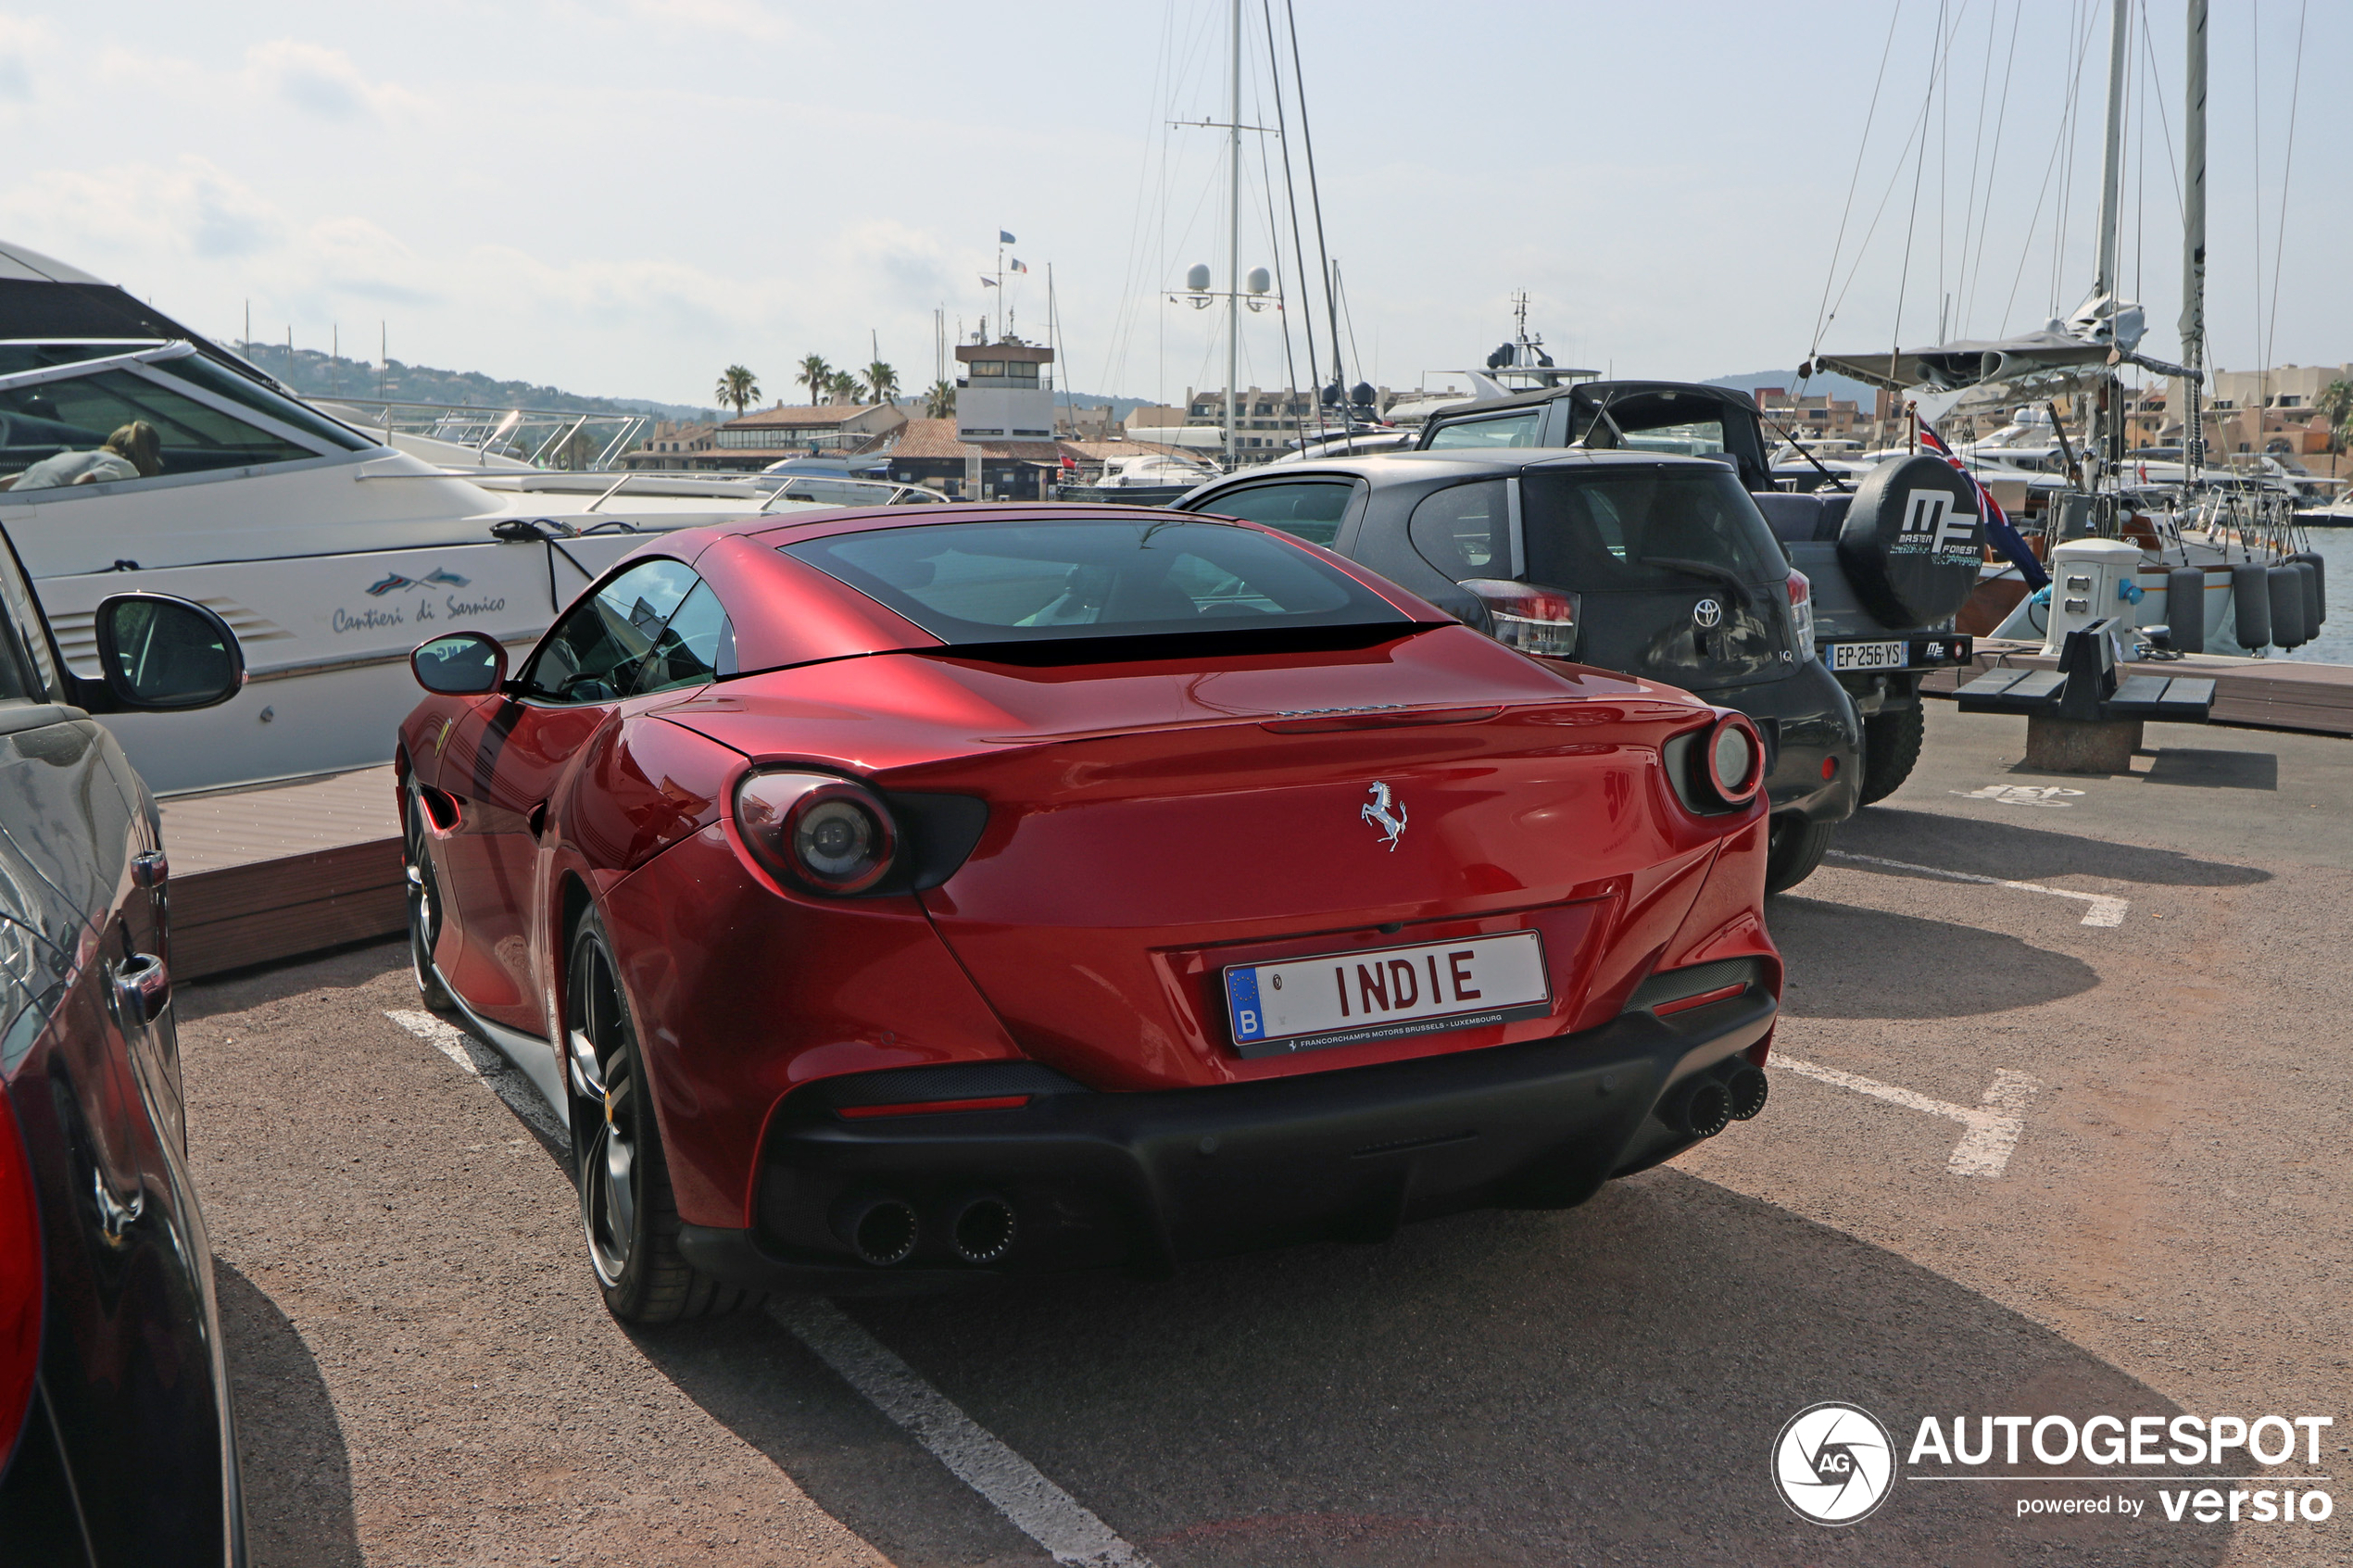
{"points": [[1833, 1463]]}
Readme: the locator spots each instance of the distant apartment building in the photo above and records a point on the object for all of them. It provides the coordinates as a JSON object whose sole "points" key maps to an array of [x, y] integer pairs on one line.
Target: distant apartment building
{"points": [[2269, 410], [1816, 418], [768, 435]]}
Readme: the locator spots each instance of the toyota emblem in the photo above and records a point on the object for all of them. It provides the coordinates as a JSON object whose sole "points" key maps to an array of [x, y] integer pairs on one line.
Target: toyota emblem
{"points": [[1707, 613]]}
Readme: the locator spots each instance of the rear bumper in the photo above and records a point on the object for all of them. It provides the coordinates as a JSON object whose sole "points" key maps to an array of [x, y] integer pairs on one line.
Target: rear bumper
{"points": [[1811, 721], [1150, 1180]]}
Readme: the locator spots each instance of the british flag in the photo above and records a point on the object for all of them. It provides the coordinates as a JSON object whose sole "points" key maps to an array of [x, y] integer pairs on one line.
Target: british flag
{"points": [[1998, 527]]}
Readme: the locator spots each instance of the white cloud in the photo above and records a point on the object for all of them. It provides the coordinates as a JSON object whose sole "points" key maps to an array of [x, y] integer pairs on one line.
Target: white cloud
{"points": [[185, 208], [20, 41], [323, 81], [745, 20]]}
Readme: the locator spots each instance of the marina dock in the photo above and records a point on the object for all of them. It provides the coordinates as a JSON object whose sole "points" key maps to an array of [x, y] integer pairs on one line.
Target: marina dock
{"points": [[273, 871]]}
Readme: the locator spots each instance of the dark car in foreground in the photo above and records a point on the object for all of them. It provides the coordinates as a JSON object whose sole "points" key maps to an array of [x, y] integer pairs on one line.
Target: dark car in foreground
{"points": [[1887, 559], [891, 899], [117, 1447], [1657, 565]]}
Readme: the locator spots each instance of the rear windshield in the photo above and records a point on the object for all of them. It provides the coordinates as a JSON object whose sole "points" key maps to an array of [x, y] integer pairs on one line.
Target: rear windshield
{"points": [[1494, 430], [976, 583], [1645, 530]]}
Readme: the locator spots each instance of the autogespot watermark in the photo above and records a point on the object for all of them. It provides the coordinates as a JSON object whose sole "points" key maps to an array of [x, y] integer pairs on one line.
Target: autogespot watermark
{"points": [[1834, 1463]]}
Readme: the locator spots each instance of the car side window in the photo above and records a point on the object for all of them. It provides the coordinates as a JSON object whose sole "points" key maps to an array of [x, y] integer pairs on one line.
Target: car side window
{"points": [[1496, 430], [697, 648], [1309, 509], [1465, 530], [26, 673], [597, 651]]}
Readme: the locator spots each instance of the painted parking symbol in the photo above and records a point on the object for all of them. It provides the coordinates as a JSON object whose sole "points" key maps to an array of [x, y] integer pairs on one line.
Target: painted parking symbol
{"points": [[2020, 794]]}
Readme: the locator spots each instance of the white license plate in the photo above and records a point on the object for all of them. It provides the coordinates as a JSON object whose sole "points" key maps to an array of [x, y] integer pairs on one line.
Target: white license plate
{"points": [[1869, 656], [1354, 998]]}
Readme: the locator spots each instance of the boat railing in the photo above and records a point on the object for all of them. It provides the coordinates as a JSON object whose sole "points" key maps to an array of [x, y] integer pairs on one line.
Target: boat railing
{"points": [[568, 438]]}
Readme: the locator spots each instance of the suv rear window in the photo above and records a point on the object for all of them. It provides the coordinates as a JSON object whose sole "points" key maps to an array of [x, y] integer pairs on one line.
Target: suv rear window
{"points": [[995, 583], [1644, 529]]}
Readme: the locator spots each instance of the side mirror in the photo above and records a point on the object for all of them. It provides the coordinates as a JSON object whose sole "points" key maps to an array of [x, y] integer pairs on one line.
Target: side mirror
{"points": [[461, 664], [158, 653]]}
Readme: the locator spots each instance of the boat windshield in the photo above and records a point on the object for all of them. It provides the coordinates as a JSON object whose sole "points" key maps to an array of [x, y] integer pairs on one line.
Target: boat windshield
{"points": [[81, 414]]}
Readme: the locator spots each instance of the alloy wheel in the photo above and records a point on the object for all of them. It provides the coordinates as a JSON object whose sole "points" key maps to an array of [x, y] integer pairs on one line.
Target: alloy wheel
{"points": [[605, 1109]]}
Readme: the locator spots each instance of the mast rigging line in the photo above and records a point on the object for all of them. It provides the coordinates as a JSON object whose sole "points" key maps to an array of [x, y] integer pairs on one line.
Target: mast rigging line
{"points": [[1976, 269], [1911, 222], [1274, 235], [1299, 251], [1315, 188], [1824, 312], [2287, 169]]}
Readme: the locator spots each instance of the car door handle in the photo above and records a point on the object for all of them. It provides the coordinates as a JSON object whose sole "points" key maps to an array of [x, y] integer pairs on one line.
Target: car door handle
{"points": [[142, 990]]}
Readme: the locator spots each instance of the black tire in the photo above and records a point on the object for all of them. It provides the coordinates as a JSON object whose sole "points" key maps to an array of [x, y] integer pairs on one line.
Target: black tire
{"points": [[627, 1213], [424, 910], [1795, 850], [1891, 746]]}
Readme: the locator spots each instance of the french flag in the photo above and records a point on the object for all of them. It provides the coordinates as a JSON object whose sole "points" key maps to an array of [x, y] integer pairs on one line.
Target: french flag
{"points": [[1997, 522]]}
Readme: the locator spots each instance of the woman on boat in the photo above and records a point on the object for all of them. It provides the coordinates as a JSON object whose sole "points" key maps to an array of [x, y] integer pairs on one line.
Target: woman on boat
{"points": [[135, 451]]}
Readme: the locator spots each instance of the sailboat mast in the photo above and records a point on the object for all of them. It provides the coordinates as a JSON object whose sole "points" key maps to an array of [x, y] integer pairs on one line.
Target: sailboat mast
{"points": [[2194, 248], [1233, 230], [2112, 163], [2106, 446]]}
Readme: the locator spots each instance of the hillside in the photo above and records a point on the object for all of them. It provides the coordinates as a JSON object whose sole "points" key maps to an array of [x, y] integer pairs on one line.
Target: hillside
{"points": [[320, 375]]}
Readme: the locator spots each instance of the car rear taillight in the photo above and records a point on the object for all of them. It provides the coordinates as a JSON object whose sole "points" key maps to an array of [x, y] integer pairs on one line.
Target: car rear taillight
{"points": [[1801, 610], [1734, 760], [20, 1283], [825, 834], [1532, 619]]}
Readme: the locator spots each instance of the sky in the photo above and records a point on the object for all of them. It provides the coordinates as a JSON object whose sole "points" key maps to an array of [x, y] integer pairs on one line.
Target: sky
{"points": [[624, 196]]}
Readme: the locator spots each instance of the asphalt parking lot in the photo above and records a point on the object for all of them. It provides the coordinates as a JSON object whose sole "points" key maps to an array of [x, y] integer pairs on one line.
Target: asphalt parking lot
{"points": [[2058, 1126]]}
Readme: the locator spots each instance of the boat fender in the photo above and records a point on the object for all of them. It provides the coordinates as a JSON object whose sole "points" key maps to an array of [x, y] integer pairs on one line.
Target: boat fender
{"points": [[2251, 605], [2287, 606], [2316, 603], [2185, 608]]}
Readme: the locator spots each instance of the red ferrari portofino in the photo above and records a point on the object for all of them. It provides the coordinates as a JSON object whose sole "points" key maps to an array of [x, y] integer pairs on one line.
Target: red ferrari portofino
{"points": [[889, 900]]}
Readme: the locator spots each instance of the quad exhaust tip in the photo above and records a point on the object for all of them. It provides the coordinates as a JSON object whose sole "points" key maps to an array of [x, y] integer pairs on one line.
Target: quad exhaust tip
{"points": [[1700, 1109], [1746, 1087], [981, 1227], [881, 1230], [1703, 1105]]}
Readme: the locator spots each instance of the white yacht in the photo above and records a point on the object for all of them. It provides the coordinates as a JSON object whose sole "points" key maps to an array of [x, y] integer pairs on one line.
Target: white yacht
{"points": [[331, 549], [1154, 470]]}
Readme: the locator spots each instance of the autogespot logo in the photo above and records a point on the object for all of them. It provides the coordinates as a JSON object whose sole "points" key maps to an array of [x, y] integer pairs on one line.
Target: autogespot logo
{"points": [[1834, 1463]]}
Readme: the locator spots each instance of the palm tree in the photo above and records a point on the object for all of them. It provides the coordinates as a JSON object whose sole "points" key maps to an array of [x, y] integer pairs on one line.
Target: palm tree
{"points": [[817, 376], [881, 384], [2335, 402], [939, 403], [738, 386], [843, 385]]}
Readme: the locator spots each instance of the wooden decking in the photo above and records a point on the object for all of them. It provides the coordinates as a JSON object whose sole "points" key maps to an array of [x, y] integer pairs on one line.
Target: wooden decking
{"points": [[278, 870], [2265, 694]]}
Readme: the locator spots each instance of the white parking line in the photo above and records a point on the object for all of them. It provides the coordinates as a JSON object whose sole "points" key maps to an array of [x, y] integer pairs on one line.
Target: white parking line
{"points": [[1040, 1510], [478, 1060], [1994, 1126], [2104, 909]]}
